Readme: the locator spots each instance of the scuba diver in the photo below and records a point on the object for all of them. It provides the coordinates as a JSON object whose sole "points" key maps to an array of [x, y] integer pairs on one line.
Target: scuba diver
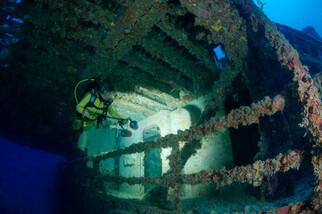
{"points": [[94, 108]]}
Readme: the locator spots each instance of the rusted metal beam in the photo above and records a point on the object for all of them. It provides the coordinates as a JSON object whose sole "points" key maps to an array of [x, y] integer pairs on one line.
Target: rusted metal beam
{"points": [[112, 40], [119, 36], [155, 46], [159, 71], [140, 100], [162, 98], [94, 13], [169, 27], [176, 10], [134, 24], [128, 78], [80, 10]]}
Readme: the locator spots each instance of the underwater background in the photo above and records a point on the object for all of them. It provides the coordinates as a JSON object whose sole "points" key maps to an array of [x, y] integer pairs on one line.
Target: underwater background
{"points": [[297, 14], [163, 81]]}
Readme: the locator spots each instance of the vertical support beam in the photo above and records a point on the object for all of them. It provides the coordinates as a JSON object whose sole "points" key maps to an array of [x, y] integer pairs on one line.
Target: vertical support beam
{"points": [[175, 169], [116, 170]]}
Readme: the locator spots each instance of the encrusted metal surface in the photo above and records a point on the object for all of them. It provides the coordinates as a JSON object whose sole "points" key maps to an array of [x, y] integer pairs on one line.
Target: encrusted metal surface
{"points": [[147, 50]]}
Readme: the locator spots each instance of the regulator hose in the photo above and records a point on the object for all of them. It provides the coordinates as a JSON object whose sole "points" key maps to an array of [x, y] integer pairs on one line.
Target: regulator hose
{"points": [[76, 86]]}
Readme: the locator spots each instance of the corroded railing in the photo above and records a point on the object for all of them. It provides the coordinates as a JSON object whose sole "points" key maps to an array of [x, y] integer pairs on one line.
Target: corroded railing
{"points": [[239, 117], [252, 174], [307, 92]]}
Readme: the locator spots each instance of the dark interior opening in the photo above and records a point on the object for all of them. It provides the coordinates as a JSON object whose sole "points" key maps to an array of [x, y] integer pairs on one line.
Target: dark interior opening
{"points": [[244, 139]]}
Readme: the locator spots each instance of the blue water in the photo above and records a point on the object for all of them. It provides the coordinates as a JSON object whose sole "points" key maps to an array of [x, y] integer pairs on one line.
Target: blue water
{"points": [[297, 14], [29, 180]]}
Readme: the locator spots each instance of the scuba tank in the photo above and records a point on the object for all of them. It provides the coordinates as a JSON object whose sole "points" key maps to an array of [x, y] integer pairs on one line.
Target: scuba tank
{"points": [[89, 87]]}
